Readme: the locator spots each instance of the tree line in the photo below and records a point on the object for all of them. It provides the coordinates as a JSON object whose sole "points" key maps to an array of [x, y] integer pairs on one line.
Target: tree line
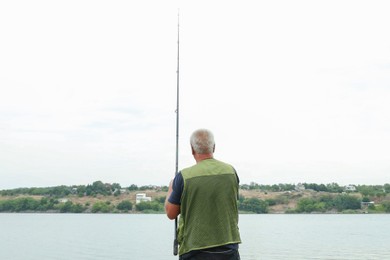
{"points": [[325, 203], [94, 189], [28, 204], [366, 190], [331, 198], [107, 189]]}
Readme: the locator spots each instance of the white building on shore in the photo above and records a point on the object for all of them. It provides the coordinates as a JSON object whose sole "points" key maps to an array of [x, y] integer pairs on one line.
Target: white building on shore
{"points": [[350, 187], [140, 197]]}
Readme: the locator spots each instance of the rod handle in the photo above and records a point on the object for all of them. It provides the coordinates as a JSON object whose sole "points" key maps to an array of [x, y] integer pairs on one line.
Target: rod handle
{"points": [[175, 247]]}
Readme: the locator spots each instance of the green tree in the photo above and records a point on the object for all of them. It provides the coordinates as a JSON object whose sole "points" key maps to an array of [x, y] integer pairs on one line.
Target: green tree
{"points": [[386, 206], [60, 191], [44, 204], [369, 190], [132, 187], [81, 190], [146, 187], [26, 204], [77, 208], [334, 187], [310, 205], [343, 202], [116, 186], [125, 205], [101, 207], [100, 188], [275, 188], [66, 207], [241, 198], [150, 206], [386, 187], [160, 200], [271, 202], [254, 205], [7, 206], [328, 201], [316, 187], [19, 205]]}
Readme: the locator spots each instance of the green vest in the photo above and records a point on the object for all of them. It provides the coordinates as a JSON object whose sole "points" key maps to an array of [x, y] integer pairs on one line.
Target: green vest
{"points": [[208, 210]]}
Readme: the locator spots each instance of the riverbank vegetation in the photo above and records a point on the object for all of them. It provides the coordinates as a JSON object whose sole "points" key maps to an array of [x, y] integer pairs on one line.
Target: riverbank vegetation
{"points": [[100, 197]]}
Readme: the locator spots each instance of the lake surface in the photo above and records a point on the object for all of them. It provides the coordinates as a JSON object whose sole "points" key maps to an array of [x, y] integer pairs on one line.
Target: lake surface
{"points": [[112, 236]]}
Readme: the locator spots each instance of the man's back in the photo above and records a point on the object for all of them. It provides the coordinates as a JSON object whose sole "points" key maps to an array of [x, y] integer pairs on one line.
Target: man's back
{"points": [[209, 214]]}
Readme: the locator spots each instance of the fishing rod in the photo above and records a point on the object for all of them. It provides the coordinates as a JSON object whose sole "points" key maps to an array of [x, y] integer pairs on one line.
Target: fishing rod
{"points": [[175, 242]]}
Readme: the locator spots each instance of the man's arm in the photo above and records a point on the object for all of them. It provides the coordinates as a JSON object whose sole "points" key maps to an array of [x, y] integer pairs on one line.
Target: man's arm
{"points": [[172, 210]]}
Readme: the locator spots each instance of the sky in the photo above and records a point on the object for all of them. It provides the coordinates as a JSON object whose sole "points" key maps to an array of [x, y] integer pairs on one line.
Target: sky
{"points": [[294, 91]]}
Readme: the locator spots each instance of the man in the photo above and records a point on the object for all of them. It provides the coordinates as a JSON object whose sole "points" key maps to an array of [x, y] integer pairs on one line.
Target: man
{"points": [[205, 195]]}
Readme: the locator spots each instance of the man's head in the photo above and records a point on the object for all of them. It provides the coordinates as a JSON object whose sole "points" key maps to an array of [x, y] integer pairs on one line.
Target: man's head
{"points": [[202, 142]]}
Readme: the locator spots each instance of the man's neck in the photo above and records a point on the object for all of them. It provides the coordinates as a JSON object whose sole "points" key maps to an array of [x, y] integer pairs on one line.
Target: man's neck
{"points": [[201, 157]]}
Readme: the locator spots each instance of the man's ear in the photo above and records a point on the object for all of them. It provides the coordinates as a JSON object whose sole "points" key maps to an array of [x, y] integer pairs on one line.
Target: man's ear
{"points": [[192, 150], [214, 148]]}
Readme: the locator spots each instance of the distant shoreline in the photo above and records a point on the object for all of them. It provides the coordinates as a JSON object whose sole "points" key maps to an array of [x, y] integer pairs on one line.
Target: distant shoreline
{"points": [[267, 202]]}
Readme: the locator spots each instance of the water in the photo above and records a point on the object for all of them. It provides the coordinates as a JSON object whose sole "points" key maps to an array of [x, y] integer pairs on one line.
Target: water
{"points": [[111, 236], [315, 237]]}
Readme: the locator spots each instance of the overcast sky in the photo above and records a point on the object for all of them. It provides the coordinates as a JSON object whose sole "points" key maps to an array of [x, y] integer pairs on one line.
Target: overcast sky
{"points": [[294, 91]]}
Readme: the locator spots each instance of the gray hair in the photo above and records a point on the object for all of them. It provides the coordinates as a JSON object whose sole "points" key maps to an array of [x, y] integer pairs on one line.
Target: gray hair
{"points": [[202, 141]]}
